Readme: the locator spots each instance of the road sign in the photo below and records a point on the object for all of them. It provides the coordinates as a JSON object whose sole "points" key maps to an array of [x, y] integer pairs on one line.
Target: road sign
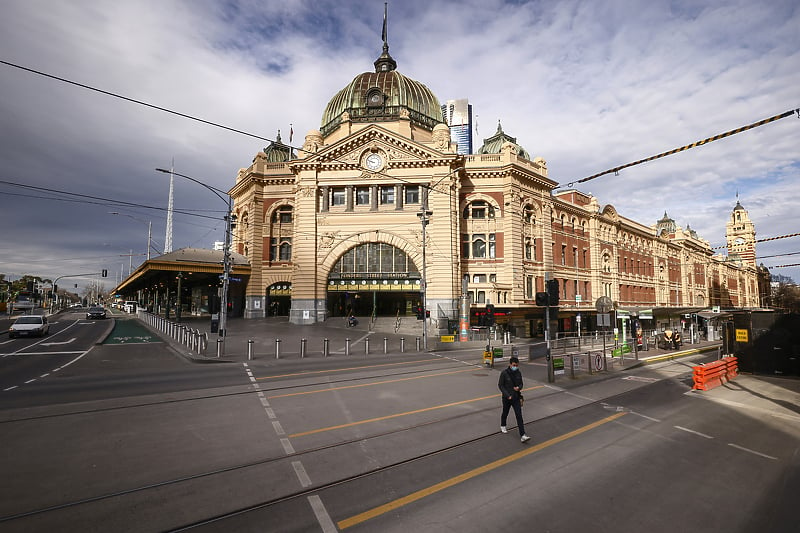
{"points": [[604, 304], [598, 361], [604, 319]]}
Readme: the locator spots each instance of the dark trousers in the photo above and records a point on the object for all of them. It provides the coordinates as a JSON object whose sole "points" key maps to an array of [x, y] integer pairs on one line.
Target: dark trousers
{"points": [[507, 405]]}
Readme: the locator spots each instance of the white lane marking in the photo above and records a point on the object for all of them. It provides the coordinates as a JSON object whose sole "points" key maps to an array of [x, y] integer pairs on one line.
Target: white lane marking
{"points": [[302, 475], [748, 450], [650, 418], [278, 428], [44, 375], [270, 413], [322, 515], [693, 431], [73, 339], [287, 446], [10, 388], [30, 381], [785, 416]]}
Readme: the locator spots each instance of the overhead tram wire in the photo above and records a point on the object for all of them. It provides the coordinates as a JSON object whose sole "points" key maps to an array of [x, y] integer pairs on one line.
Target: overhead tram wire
{"points": [[616, 170], [762, 240], [190, 117]]}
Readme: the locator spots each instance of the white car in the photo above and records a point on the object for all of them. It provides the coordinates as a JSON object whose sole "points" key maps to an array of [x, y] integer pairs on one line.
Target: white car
{"points": [[130, 307], [29, 326]]}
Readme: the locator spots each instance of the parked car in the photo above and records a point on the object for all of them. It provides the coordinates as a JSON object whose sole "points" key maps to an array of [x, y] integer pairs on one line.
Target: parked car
{"points": [[96, 312], [130, 307], [29, 326]]}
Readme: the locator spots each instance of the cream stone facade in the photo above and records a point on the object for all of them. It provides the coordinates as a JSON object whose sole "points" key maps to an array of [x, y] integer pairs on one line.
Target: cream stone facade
{"points": [[336, 227]]}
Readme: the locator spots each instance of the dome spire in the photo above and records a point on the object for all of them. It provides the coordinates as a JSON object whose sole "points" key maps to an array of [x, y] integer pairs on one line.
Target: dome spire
{"points": [[385, 63]]}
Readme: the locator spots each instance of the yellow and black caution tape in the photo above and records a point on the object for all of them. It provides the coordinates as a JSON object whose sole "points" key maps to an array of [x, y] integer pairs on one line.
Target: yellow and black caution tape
{"points": [[694, 144]]}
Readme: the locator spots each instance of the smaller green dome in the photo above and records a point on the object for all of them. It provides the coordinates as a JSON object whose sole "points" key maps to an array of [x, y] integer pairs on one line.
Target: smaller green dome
{"points": [[493, 144]]}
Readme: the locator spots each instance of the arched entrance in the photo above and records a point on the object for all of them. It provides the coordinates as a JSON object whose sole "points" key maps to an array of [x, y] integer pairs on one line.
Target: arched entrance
{"points": [[373, 278], [279, 299]]}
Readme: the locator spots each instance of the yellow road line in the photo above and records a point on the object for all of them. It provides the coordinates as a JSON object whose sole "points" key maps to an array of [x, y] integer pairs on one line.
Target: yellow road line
{"points": [[420, 494], [346, 369], [387, 417], [367, 384]]}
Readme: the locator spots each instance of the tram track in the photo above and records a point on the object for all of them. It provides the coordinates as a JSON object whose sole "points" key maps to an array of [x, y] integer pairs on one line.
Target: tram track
{"points": [[249, 391], [209, 475]]}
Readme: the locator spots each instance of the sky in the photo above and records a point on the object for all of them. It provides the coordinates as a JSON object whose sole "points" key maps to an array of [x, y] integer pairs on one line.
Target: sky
{"points": [[587, 85]]}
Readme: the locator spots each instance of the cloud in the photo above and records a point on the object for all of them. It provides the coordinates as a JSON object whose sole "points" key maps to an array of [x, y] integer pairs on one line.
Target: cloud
{"points": [[586, 85]]}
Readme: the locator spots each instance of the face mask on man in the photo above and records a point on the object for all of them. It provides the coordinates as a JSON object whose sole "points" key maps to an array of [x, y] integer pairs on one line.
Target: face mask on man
{"points": [[514, 368]]}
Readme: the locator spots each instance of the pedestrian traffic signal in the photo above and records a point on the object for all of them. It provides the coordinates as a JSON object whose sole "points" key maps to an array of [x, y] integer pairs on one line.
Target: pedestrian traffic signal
{"points": [[418, 310], [105, 273]]}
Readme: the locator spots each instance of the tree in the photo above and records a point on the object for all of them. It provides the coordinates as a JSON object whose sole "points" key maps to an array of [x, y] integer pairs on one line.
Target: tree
{"points": [[786, 296]]}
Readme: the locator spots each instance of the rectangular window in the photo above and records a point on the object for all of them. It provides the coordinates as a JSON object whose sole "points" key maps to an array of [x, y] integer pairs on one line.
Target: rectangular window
{"points": [[479, 278], [273, 249], [285, 217], [529, 288], [528, 249], [337, 196], [387, 194], [563, 254], [575, 256], [481, 297], [492, 278], [492, 246], [362, 195], [465, 246], [412, 194]]}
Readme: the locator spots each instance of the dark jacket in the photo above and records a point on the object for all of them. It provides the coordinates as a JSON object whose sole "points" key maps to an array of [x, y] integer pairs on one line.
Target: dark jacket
{"points": [[508, 380]]}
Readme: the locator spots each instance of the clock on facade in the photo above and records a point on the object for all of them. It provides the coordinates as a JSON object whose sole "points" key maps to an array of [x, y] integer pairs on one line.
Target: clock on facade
{"points": [[373, 161], [738, 240]]}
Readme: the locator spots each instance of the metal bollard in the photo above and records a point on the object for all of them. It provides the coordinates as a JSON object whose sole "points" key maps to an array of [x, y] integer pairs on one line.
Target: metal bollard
{"points": [[325, 347], [366, 345], [219, 348], [302, 348], [347, 346], [402, 344], [277, 348], [417, 343], [250, 349], [385, 345]]}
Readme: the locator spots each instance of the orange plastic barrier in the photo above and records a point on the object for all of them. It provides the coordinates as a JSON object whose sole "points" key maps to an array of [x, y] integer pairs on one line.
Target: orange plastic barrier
{"points": [[711, 375]]}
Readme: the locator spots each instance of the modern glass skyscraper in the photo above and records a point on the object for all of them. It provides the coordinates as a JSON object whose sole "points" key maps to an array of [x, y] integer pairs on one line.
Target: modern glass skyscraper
{"points": [[458, 114]]}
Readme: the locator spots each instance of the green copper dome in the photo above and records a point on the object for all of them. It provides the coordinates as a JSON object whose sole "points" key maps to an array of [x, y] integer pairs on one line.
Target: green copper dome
{"points": [[382, 96], [493, 144]]}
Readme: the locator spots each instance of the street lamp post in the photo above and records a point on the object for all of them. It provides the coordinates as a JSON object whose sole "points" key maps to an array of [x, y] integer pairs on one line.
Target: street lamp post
{"points": [[226, 261], [424, 216]]}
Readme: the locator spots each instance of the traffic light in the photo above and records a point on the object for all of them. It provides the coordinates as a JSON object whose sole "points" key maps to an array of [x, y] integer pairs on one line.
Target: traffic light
{"points": [[55, 289], [105, 273], [418, 309], [552, 291], [541, 299], [489, 315]]}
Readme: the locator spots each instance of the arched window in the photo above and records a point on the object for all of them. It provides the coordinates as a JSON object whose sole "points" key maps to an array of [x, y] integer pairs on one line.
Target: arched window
{"points": [[479, 209], [281, 230]]}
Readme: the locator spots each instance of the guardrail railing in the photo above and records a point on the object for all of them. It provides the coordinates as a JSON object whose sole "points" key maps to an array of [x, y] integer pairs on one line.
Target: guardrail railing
{"points": [[194, 339]]}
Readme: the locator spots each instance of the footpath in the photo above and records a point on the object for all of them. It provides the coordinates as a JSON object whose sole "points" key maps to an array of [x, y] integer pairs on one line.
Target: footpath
{"points": [[754, 395]]}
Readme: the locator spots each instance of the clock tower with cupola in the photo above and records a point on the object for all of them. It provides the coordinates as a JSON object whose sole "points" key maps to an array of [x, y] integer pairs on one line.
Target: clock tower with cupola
{"points": [[740, 234]]}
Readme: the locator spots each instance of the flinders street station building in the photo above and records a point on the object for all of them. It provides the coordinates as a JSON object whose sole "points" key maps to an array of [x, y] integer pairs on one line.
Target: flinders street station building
{"points": [[378, 211]]}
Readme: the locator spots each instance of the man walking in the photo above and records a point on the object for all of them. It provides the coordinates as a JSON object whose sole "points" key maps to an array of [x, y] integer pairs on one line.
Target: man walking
{"points": [[510, 385]]}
